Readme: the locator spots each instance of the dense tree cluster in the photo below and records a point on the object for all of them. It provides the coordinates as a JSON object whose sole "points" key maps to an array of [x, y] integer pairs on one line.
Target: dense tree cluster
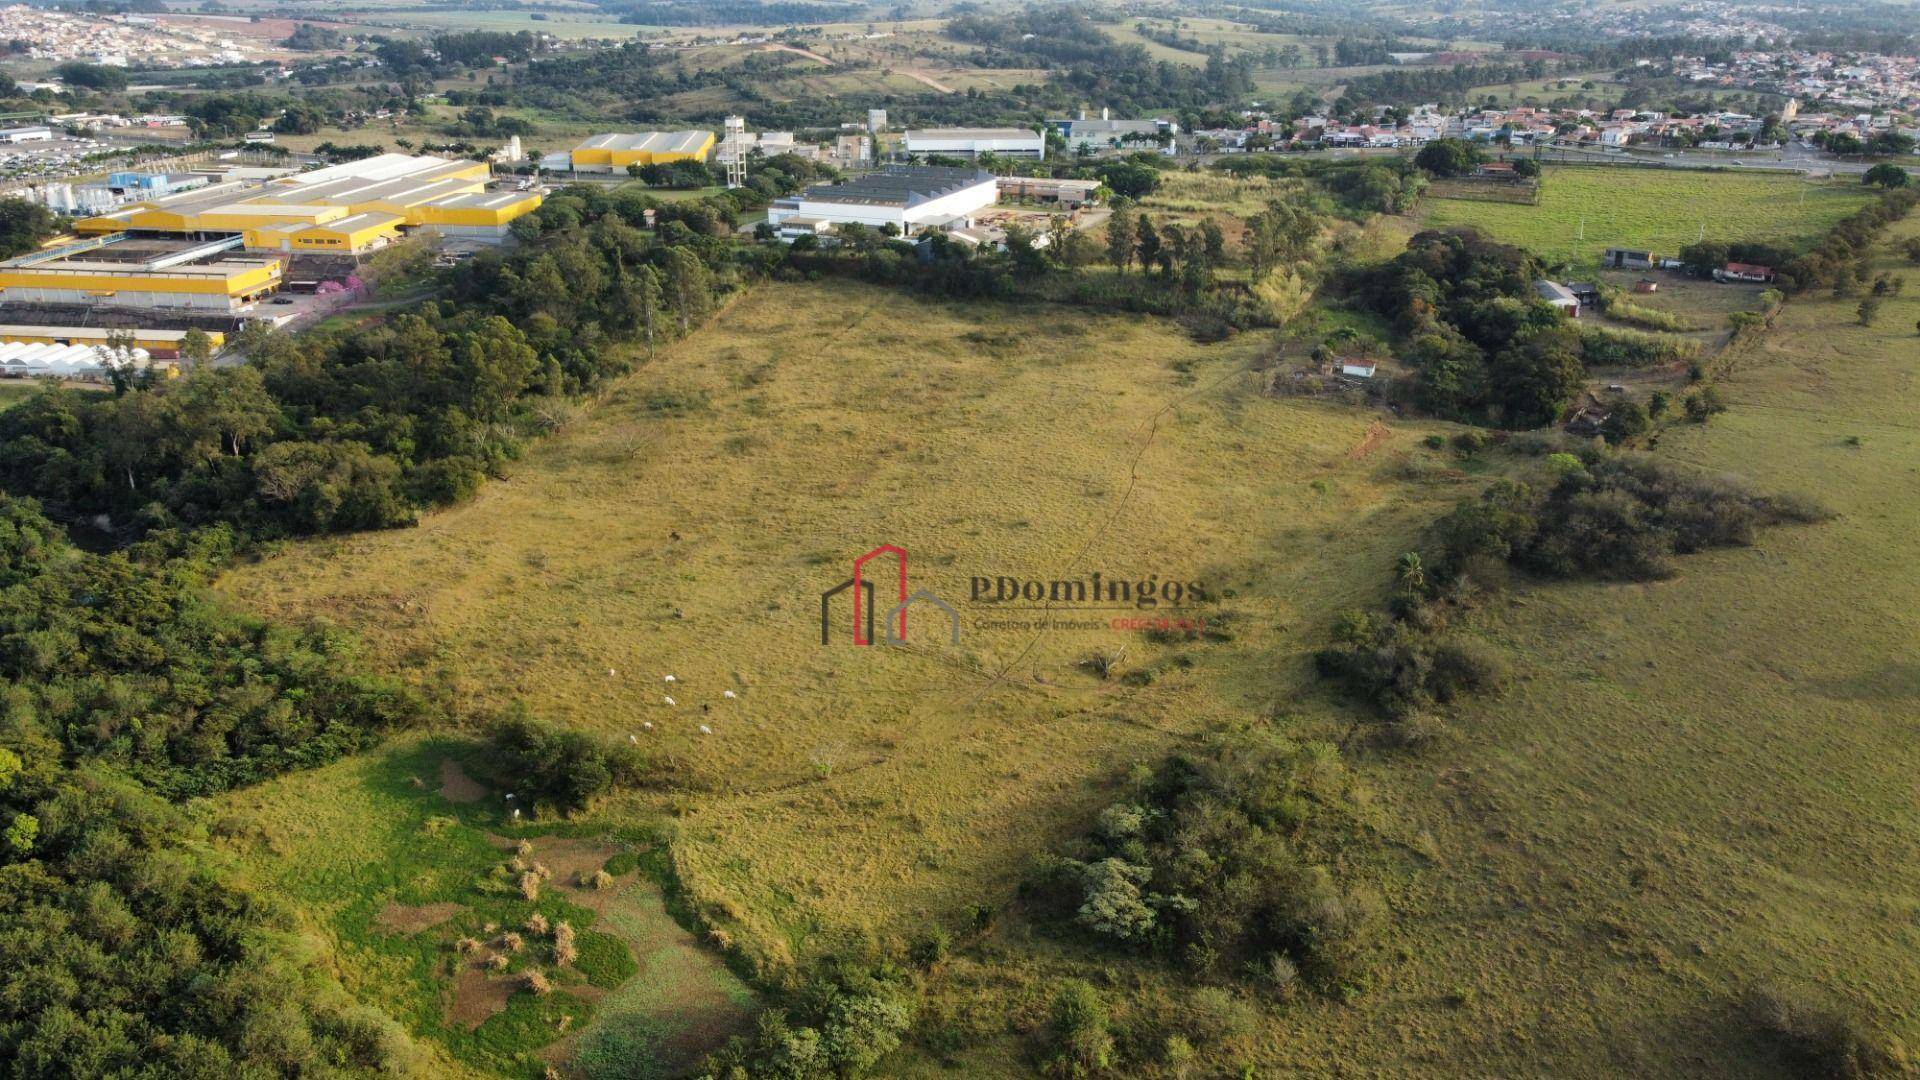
{"points": [[1449, 157], [128, 956], [119, 659], [1483, 345], [1220, 862], [127, 689], [24, 226]]}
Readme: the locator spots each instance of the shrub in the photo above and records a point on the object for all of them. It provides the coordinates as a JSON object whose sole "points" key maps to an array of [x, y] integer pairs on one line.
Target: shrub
{"points": [[565, 950], [1081, 1031], [1822, 1041], [931, 947], [538, 983], [566, 768], [1626, 422], [1220, 1016]]}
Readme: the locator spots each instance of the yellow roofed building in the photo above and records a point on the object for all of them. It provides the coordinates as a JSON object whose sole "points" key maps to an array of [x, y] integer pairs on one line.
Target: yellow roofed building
{"points": [[346, 209], [614, 152]]}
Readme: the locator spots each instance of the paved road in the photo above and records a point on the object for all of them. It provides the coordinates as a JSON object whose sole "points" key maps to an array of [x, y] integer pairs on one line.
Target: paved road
{"points": [[1795, 157]]}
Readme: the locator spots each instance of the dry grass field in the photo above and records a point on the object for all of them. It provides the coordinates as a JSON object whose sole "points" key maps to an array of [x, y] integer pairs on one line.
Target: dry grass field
{"points": [[688, 524]]}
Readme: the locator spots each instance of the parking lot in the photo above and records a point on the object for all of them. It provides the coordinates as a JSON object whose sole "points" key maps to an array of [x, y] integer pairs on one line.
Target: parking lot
{"points": [[52, 159]]}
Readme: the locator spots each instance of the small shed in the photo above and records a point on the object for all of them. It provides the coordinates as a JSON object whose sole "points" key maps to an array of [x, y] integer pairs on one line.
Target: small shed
{"points": [[1558, 296], [1627, 259], [1358, 369]]}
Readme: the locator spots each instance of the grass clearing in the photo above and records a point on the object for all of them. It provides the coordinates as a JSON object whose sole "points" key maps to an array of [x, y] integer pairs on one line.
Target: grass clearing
{"points": [[385, 856], [15, 391], [1586, 209], [689, 523]]}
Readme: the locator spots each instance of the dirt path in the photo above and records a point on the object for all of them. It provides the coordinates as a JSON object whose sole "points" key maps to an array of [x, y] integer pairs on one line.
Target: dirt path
{"points": [[1376, 434], [456, 786], [797, 51], [922, 77]]}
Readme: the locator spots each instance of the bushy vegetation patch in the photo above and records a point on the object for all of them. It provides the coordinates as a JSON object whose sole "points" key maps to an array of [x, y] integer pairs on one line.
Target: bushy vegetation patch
{"points": [[1620, 309], [1594, 514], [545, 765], [1222, 862], [848, 1012], [1604, 347], [1820, 1040]]}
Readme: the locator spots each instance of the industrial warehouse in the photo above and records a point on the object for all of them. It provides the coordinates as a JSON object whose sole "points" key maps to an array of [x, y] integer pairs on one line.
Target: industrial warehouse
{"points": [[343, 209], [126, 271], [613, 153], [911, 198], [204, 253]]}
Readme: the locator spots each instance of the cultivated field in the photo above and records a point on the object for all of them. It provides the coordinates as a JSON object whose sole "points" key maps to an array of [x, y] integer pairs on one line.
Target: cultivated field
{"points": [[688, 524], [1586, 209]]}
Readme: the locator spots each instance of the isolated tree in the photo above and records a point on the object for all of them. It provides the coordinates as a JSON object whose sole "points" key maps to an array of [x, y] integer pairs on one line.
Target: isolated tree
{"points": [[1122, 238], [689, 285], [196, 347], [647, 300], [1448, 157], [1887, 175], [1213, 243], [1868, 310], [1148, 246]]}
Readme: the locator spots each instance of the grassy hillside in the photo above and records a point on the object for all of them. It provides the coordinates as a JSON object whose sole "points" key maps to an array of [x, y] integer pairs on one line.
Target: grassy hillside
{"points": [[1695, 787], [1586, 209], [1699, 784]]}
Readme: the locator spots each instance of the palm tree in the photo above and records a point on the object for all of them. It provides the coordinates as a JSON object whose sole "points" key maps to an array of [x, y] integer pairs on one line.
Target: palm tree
{"points": [[1412, 574]]}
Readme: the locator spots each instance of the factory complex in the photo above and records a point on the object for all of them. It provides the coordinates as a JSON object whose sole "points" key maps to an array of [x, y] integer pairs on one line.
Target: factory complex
{"points": [[342, 209], [203, 253]]}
